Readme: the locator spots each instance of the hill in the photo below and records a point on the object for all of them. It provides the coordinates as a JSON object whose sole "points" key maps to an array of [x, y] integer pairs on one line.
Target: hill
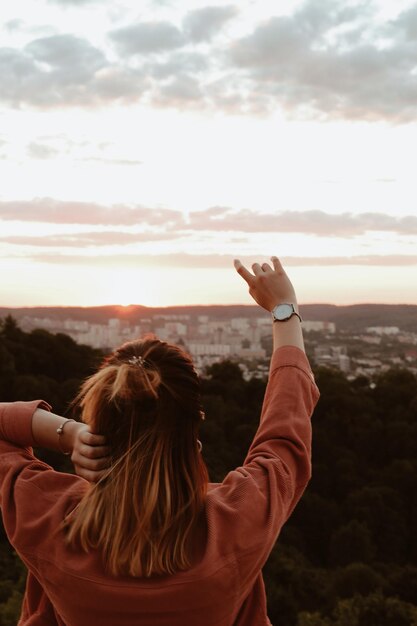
{"points": [[350, 317]]}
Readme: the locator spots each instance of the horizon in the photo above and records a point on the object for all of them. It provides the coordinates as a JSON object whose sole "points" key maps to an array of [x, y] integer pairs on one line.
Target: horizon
{"points": [[143, 148], [124, 307]]}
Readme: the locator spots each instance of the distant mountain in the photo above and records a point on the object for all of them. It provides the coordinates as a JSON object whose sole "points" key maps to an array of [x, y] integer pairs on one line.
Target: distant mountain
{"points": [[351, 317]]}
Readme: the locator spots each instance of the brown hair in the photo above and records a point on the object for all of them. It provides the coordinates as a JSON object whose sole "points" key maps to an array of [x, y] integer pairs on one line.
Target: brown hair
{"points": [[145, 399]]}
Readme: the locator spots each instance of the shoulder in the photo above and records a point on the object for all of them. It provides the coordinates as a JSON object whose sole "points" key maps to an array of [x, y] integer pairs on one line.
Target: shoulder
{"points": [[238, 509]]}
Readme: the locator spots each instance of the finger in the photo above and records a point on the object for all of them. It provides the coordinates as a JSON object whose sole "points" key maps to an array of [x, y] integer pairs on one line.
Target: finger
{"points": [[90, 475], [241, 269], [94, 452], [91, 439], [95, 465], [257, 269], [277, 264], [267, 268]]}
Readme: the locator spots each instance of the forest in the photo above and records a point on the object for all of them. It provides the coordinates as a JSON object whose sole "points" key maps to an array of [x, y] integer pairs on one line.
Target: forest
{"points": [[348, 554]]}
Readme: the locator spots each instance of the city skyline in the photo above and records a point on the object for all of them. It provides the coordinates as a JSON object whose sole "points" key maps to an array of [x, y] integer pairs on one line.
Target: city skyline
{"points": [[357, 344], [144, 146]]}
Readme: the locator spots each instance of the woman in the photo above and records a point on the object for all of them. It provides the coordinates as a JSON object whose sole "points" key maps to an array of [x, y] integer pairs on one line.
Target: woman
{"points": [[140, 537]]}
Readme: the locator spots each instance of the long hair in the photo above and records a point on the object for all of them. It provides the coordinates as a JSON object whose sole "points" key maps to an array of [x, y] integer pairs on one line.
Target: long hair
{"points": [[145, 399]]}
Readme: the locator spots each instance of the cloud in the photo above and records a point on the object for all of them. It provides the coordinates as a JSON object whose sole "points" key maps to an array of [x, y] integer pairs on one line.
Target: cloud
{"points": [[16, 71], [64, 71], [213, 219], [325, 60], [389, 260], [74, 240], [44, 151], [147, 37], [407, 23], [118, 85], [210, 261], [50, 71], [41, 151], [75, 3], [205, 23], [67, 53], [316, 223], [113, 161], [52, 211], [13, 25], [182, 91], [177, 63]]}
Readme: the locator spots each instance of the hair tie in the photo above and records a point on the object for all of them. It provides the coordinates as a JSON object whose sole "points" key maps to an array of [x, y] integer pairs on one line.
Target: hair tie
{"points": [[139, 361]]}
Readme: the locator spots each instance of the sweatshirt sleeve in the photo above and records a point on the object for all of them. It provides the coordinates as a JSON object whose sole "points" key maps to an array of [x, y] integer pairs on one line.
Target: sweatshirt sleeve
{"points": [[33, 496], [256, 499], [16, 422], [284, 432]]}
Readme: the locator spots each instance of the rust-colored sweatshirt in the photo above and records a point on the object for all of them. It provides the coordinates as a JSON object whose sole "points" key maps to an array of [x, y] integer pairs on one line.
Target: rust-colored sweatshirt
{"points": [[244, 515]]}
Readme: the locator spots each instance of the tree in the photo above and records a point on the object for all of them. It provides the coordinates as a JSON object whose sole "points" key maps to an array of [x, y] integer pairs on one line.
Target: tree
{"points": [[394, 392], [225, 371], [382, 510], [10, 329], [351, 543], [312, 619], [357, 578], [375, 610]]}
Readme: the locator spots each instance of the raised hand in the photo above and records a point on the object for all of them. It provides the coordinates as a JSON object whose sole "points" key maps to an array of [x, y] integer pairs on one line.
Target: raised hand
{"points": [[268, 285]]}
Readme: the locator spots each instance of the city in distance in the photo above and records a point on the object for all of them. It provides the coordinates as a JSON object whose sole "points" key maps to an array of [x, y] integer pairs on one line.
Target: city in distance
{"points": [[360, 340]]}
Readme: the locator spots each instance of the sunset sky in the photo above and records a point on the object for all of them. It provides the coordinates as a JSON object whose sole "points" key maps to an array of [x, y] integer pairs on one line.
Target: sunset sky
{"points": [[144, 145]]}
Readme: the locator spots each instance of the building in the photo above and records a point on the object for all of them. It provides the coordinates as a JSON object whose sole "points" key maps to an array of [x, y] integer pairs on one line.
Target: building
{"points": [[324, 327]]}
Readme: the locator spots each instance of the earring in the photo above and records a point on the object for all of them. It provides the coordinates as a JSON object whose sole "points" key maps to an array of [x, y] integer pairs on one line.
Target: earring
{"points": [[200, 445]]}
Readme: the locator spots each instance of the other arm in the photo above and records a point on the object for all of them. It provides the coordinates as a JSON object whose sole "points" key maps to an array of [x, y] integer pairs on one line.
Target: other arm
{"points": [[88, 451], [28, 424]]}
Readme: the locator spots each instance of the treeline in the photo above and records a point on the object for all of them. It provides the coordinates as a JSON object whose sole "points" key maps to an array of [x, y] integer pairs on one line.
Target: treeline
{"points": [[41, 365], [348, 554]]}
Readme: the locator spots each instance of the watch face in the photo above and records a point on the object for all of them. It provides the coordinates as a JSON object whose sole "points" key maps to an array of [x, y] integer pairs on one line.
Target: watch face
{"points": [[283, 311]]}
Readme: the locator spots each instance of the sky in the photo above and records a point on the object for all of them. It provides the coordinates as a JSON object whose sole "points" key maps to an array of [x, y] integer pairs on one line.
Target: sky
{"points": [[146, 144]]}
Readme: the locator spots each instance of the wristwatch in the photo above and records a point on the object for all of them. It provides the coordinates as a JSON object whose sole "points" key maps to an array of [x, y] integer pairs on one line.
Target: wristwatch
{"points": [[283, 312]]}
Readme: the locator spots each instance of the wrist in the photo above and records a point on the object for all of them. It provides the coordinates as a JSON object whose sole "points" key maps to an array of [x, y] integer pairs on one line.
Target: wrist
{"points": [[288, 333], [66, 440], [284, 311]]}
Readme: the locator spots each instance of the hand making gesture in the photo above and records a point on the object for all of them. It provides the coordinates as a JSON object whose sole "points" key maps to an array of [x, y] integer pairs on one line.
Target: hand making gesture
{"points": [[268, 286]]}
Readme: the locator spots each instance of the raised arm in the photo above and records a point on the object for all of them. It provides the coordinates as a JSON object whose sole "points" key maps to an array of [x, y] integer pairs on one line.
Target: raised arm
{"points": [[279, 458]]}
